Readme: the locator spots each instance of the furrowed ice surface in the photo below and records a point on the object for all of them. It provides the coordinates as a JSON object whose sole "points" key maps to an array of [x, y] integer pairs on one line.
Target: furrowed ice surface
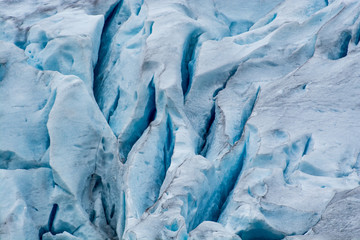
{"points": [[179, 119]]}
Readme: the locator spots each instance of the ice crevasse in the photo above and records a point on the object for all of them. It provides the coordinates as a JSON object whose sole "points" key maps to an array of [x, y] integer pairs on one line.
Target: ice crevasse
{"points": [[179, 119]]}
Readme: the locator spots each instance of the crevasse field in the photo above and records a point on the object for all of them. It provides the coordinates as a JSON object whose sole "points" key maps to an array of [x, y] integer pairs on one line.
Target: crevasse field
{"points": [[179, 119]]}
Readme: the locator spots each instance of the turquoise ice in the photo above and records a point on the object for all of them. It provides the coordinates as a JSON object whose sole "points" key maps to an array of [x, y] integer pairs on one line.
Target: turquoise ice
{"points": [[179, 119]]}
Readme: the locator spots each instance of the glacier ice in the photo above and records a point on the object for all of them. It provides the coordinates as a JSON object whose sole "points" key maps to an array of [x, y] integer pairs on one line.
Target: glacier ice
{"points": [[67, 42], [179, 119]]}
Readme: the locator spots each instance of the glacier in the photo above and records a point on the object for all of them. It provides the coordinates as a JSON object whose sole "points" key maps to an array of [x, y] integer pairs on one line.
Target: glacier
{"points": [[179, 119]]}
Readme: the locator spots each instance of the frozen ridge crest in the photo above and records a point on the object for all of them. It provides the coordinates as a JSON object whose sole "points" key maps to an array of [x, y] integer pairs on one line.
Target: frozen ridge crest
{"points": [[179, 119]]}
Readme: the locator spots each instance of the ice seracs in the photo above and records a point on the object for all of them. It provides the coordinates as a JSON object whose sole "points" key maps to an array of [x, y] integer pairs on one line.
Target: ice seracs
{"points": [[67, 42], [179, 119]]}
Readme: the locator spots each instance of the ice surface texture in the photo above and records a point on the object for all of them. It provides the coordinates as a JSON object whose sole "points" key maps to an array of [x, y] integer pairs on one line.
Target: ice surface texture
{"points": [[179, 119]]}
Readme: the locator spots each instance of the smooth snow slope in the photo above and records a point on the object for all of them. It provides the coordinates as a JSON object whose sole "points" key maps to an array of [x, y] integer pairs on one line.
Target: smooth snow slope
{"points": [[179, 119]]}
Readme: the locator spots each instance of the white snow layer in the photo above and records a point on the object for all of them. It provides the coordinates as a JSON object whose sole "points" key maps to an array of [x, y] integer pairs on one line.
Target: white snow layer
{"points": [[179, 119]]}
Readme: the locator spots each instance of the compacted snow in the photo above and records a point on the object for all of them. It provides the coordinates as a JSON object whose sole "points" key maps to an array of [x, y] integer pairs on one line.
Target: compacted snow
{"points": [[179, 119]]}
